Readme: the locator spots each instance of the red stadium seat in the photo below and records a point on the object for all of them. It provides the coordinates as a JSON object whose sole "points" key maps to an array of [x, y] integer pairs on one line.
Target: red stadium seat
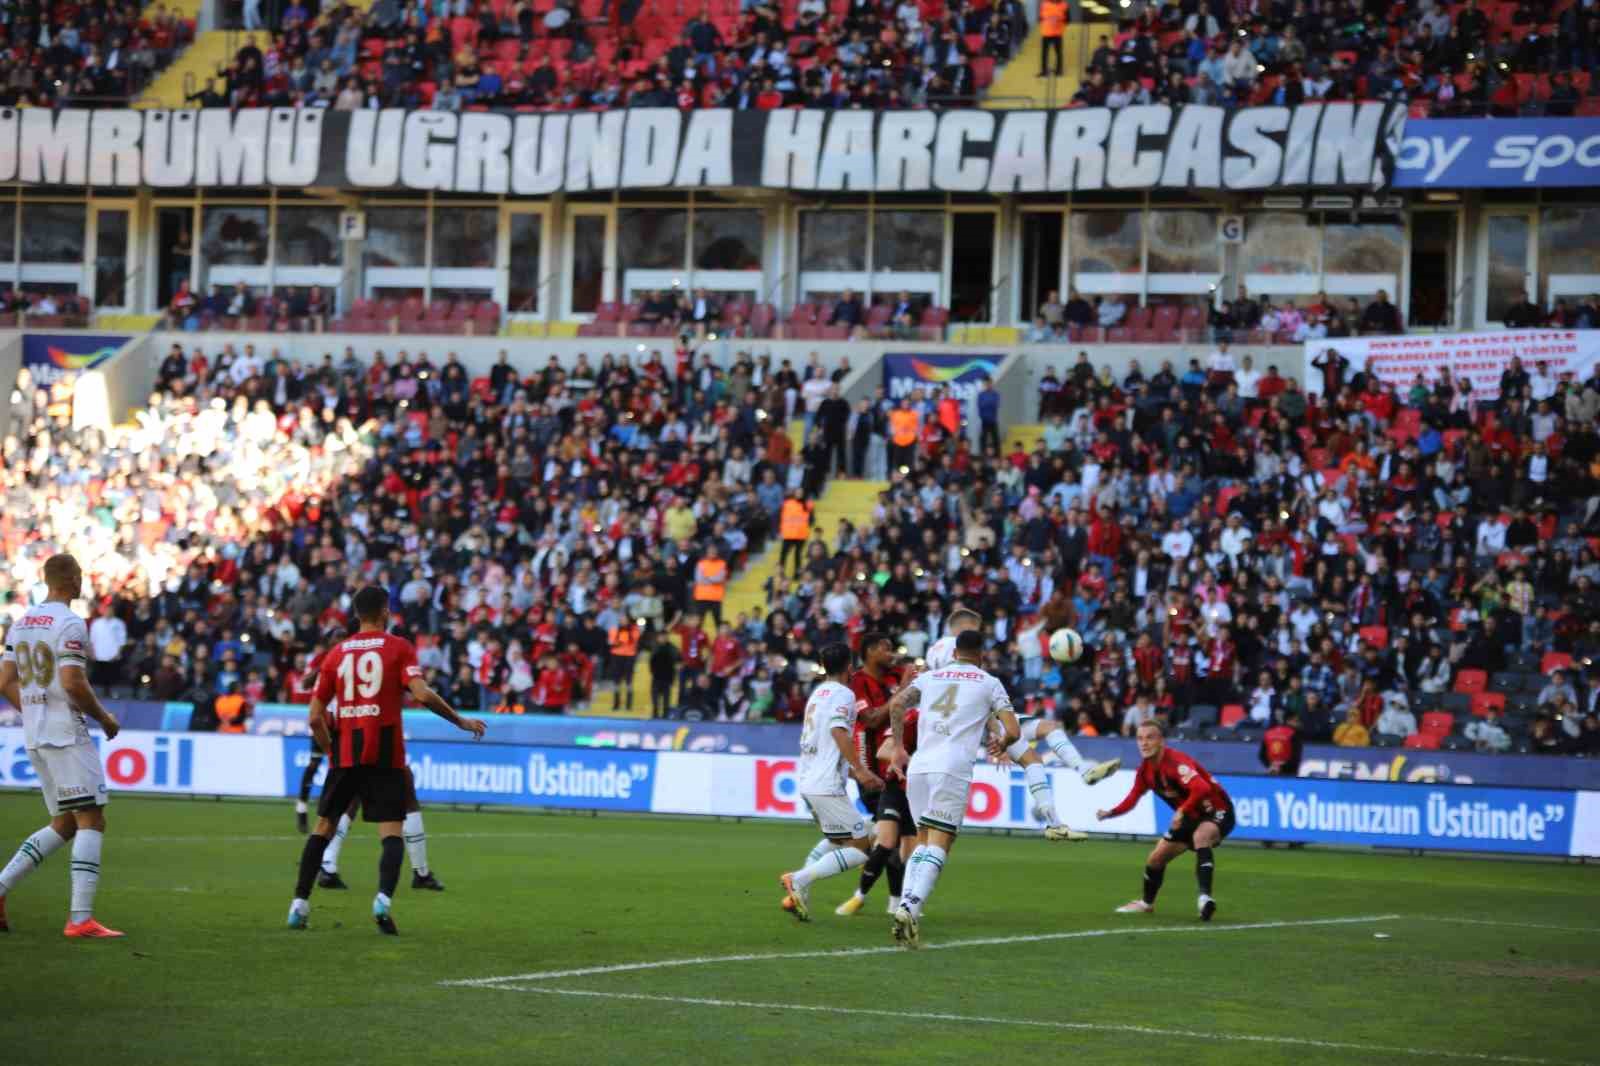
{"points": [[1483, 701], [1439, 723], [1555, 660], [1232, 714], [1422, 742], [1377, 636], [1471, 681]]}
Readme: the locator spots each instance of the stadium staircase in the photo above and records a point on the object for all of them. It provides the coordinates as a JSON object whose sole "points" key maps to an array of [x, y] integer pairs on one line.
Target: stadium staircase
{"points": [[197, 64], [842, 499], [1018, 84]]}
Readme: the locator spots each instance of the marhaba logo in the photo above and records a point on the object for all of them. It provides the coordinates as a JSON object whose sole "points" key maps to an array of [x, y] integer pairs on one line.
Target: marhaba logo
{"points": [[942, 374], [73, 361]]}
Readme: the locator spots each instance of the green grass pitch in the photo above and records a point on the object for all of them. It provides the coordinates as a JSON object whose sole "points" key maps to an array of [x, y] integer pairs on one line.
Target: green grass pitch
{"points": [[208, 973]]}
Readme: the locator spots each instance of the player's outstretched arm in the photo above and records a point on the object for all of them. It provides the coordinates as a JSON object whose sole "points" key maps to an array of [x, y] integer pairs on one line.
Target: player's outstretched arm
{"points": [[424, 694], [858, 769], [1128, 801], [80, 694]]}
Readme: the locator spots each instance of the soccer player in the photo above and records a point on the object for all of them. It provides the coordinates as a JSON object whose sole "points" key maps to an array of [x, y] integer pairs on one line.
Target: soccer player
{"points": [[1202, 817], [416, 838], [367, 672], [826, 751], [955, 705], [874, 684], [43, 673], [1022, 752]]}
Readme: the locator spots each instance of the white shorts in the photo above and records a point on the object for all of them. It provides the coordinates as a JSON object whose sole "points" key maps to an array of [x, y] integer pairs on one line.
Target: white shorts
{"points": [[1025, 739], [938, 801], [72, 778], [837, 817]]}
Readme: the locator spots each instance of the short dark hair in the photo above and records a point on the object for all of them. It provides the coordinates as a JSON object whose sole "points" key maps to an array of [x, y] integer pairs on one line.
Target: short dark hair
{"points": [[836, 659], [872, 639], [371, 603], [969, 641]]}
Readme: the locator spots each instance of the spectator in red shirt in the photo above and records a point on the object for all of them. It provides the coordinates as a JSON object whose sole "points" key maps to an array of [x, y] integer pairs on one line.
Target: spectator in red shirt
{"points": [[694, 645], [553, 691], [727, 656]]}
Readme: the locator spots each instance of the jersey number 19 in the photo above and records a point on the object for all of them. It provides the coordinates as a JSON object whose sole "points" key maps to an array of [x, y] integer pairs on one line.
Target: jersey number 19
{"points": [[360, 676]]}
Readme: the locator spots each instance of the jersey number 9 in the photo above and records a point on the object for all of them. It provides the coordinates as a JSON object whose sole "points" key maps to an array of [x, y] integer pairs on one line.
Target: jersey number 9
{"points": [[36, 664], [361, 676]]}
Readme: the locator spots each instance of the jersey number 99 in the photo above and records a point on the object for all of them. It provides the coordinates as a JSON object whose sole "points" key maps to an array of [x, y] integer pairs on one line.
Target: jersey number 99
{"points": [[361, 676], [36, 664]]}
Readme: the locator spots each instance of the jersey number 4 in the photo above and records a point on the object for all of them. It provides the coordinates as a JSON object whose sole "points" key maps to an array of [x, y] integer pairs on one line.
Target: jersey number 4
{"points": [[945, 704], [36, 664], [360, 676]]}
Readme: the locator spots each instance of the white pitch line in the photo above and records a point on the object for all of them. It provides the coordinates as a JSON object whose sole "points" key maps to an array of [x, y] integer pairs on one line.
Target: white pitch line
{"points": [[1089, 1027], [1032, 938], [1508, 925], [282, 838]]}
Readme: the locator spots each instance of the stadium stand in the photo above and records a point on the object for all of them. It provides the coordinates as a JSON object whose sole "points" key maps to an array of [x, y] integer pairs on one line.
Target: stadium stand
{"points": [[85, 54], [1396, 566]]}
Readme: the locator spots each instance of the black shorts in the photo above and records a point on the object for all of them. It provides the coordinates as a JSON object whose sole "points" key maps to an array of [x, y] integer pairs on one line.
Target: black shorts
{"points": [[869, 800], [381, 790], [894, 807], [1184, 834]]}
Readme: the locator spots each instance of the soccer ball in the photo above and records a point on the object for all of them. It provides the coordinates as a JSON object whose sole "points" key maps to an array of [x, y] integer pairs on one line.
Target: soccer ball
{"points": [[1065, 645]]}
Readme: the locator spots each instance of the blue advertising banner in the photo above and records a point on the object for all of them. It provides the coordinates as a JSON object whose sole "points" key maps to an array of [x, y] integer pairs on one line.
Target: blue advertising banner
{"points": [[50, 357], [962, 374], [1453, 818], [554, 730], [1518, 153], [516, 776]]}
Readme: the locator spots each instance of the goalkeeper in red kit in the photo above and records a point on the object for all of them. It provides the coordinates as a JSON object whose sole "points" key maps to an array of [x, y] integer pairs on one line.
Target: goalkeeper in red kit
{"points": [[1202, 817]]}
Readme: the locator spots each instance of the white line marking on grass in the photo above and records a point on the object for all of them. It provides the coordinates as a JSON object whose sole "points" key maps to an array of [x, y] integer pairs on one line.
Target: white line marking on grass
{"points": [[1508, 925], [269, 838], [1086, 1027], [1032, 938]]}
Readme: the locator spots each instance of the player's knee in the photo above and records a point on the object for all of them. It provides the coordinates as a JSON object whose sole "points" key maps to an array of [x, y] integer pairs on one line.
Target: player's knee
{"points": [[94, 818], [65, 825]]}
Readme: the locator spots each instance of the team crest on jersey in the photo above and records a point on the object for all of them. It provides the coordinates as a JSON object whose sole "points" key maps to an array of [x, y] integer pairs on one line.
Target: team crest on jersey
{"points": [[71, 645]]}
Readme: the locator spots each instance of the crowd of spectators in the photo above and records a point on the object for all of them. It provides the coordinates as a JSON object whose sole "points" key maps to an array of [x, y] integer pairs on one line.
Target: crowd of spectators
{"points": [[86, 54], [1386, 565], [44, 308], [1247, 319], [569, 54], [1460, 59], [525, 522], [296, 309]]}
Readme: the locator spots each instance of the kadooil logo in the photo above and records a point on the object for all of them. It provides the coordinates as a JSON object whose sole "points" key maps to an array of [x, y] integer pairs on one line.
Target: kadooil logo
{"points": [[1531, 154]]}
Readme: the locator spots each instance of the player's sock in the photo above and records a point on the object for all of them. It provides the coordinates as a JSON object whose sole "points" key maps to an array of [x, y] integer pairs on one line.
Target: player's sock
{"points": [[330, 860], [833, 862], [85, 872], [876, 862], [29, 857], [823, 847], [389, 866], [1041, 798], [921, 876], [310, 860], [1204, 867], [416, 842], [1061, 744], [1153, 876], [897, 873]]}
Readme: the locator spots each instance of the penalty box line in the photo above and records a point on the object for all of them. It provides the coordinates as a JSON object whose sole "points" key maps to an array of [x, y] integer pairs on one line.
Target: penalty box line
{"points": [[844, 953], [1371, 1050]]}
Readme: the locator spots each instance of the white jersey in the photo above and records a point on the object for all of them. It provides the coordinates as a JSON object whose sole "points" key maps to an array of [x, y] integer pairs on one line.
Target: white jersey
{"points": [[822, 765], [46, 638], [954, 707], [941, 655]]}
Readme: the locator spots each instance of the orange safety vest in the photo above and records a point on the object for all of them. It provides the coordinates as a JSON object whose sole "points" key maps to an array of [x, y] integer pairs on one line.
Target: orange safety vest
{"points": [[1052, 18], [903, 426], [795, 521], [230, 714], [625, 641], [710, 577]]}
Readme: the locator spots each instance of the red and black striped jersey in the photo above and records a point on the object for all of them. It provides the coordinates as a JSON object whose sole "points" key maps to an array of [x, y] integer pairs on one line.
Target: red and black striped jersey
{"points": [[365, 677]]}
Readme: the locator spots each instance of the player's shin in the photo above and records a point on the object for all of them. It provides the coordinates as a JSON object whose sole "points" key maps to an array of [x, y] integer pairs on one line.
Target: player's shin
{"points": [[1041, 798], [416, 843], [1204, 867], [330, 860], [896, 869], [833, 862], [311, 858], [29, 857], [822, 848], [876, 862], [86, 846], [1153, 876], [389, 868], [926, 864], [1062, 745]]}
